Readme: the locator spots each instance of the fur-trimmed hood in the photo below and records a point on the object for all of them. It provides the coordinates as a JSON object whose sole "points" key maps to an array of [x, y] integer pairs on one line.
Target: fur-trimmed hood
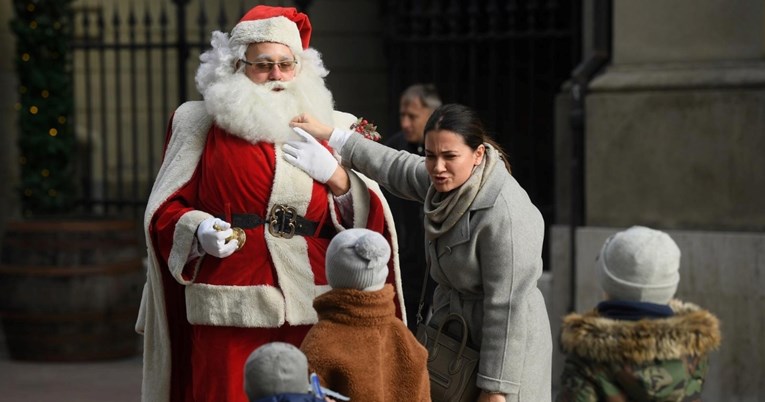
{"points": [[691, 331]]}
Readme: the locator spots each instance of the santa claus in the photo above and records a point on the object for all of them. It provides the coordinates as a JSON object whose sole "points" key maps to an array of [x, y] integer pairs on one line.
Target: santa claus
{"points": [[237, 236]]}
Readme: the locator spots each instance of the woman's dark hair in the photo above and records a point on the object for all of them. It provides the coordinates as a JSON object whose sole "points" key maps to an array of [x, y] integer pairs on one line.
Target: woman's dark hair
{"points": [[465, 122]]}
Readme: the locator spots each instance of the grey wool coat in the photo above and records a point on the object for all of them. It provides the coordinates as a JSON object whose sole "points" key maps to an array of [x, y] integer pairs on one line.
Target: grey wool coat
{"points": [[486, 268]]}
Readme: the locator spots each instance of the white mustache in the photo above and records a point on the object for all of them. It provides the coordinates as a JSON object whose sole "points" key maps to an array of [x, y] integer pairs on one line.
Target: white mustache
{"points": [[272, 85]]}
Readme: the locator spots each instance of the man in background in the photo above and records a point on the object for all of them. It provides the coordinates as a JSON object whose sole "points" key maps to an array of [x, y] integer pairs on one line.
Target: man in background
{"points": [[416, 104]]}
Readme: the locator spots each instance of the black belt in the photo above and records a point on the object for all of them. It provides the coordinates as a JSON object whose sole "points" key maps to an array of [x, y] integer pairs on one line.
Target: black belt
{"points": [[282, 221]]}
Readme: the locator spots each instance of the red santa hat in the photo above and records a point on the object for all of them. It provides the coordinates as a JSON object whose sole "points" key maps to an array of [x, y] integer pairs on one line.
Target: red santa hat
{"points": [[283, 25]]}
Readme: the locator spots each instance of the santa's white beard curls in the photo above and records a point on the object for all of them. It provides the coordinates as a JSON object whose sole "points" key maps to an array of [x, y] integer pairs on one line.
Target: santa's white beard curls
{"points": [[256, 112]]}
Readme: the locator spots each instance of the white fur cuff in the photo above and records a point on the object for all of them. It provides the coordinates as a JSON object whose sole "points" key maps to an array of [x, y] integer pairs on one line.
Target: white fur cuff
{"points": [[183, 240]]}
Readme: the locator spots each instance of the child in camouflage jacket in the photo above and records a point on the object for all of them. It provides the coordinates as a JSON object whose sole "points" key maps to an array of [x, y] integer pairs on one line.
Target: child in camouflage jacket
{"points": [[639, 344]]}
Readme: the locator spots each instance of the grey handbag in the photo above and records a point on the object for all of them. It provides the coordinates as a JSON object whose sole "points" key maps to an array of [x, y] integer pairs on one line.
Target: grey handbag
{"points": [[452, 363]]}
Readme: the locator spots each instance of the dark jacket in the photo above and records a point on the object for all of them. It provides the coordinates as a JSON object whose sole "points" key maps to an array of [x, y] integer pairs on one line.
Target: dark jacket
{"points": [[662, 359]]}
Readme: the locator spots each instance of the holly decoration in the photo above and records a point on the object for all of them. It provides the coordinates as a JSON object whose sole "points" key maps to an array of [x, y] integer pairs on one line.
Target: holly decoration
{"points": [[46, 142], [365, 128]]}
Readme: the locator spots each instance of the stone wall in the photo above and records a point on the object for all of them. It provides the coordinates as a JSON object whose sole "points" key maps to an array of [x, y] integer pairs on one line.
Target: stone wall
{"points": [[677, 148], [674, 131]]}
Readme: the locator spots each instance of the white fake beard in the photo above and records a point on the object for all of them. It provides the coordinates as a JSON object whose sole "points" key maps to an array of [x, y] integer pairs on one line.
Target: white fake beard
{"points": [[255, 112]]}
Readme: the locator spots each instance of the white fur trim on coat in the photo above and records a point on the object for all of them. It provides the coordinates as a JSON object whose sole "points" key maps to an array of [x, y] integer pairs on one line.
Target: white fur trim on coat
{"points": [[183, 153], [231, 306], [367, 184], [290, 256], [225, 305], [360, 186], [184, 238]]}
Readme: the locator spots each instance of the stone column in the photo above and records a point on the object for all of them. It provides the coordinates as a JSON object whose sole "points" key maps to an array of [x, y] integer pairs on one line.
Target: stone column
{"points": [[675, 136], [676, 125]]}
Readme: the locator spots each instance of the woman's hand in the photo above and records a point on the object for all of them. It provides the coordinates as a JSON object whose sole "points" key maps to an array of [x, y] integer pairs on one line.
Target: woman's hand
{"points": [[312, 126], [487, 397]]}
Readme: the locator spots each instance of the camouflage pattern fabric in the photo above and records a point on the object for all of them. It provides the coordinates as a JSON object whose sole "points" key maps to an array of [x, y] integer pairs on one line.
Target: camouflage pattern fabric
{"points": [[671, 380], [663, 359]]}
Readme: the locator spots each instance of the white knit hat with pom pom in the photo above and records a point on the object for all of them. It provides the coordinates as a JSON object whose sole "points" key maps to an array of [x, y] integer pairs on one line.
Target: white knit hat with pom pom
{"points": [[358, 259]]}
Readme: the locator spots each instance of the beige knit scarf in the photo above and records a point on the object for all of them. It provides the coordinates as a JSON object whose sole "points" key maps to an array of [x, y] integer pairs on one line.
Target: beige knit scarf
{"points": [[443, 210]]}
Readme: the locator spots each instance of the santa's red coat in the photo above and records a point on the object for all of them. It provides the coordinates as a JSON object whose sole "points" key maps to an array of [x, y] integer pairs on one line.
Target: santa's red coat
{"points": [[202, 316]]}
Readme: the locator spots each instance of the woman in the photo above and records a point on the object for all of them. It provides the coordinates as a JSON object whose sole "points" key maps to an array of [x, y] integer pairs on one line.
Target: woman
{"points": [[483, 234]]}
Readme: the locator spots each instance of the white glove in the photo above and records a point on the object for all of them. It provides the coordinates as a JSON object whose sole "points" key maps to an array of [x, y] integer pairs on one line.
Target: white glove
{"points": [[310, 156], [212, 234]]}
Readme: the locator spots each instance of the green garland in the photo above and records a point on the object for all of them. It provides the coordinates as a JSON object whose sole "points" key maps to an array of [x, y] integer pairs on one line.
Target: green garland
{"points": [[43, 60]]}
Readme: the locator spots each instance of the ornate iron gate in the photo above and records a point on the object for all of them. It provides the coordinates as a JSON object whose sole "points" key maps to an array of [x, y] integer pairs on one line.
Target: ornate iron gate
{"points": [[505, 58], [133, 64]]}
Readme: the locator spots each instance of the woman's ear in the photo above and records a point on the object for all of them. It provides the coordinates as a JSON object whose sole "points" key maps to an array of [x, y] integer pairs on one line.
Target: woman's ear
{"points": [[479, 155]]}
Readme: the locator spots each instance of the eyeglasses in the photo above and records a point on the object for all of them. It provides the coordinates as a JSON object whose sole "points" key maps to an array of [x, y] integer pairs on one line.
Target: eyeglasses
{"points": [[285, 66]]}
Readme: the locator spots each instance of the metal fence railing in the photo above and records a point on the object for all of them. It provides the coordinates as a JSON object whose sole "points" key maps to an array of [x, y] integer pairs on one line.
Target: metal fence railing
{"points": [[505, 58], [133, 63]]}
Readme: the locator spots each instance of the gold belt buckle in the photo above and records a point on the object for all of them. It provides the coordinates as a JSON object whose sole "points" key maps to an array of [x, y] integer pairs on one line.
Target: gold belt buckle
{"points": [[282, 221]]}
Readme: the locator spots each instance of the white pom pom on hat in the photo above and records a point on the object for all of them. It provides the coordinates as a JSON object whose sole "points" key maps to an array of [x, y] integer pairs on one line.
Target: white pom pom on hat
{"points": [[640, 264]]}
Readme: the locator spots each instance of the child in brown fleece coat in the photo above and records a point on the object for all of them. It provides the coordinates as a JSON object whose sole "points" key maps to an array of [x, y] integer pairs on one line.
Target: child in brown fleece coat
{"points": [[359, 347]]}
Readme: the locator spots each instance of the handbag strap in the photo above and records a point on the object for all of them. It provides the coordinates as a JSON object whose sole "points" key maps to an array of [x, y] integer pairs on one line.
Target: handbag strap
{"points": [[422, 294]]}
